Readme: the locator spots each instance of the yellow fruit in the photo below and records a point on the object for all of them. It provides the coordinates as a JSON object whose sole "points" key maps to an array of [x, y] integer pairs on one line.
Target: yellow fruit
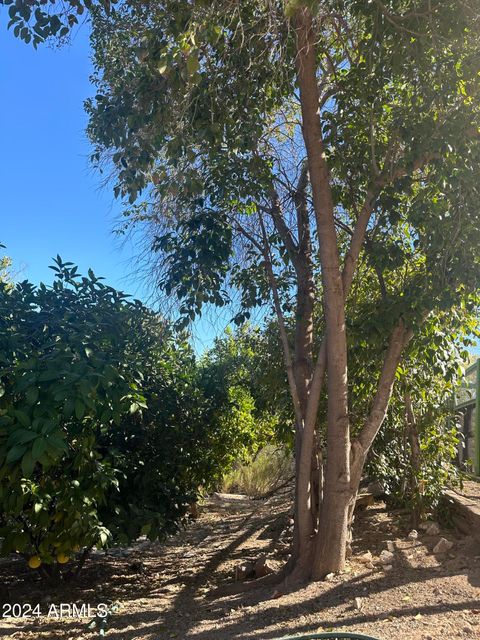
{"points": [[62, 558], [34, 562]]}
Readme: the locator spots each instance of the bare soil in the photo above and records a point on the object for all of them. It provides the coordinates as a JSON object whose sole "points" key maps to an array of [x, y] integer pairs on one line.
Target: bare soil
{"points": [[167, 590], [470, 489]]}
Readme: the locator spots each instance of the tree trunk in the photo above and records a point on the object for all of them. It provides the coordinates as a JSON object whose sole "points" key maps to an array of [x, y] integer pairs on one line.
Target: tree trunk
{"points": [[332, 535], [415, 461]]}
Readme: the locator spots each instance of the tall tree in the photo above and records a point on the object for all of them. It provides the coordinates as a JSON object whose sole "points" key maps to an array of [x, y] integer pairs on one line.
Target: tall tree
{"points": [[322, 148]]}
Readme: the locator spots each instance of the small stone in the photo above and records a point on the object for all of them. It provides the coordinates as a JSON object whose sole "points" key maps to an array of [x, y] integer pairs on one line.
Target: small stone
{"points": [[386, 557], [413, 535], [442, 546], [358, 603], [433, 529], [390, 546], [330, 577], [387, 567], [365, 558]]}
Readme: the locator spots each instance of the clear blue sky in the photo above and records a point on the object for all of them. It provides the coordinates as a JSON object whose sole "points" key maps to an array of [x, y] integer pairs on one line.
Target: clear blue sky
{"points": [[51, 201]]}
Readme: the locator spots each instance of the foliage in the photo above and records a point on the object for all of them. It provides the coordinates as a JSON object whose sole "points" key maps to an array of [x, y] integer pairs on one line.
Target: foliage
{"points": [[105, 432], [180, 128], [5, 265], [244, 367], [430, 374], [39, 21], [268, 469], [303, 155]]}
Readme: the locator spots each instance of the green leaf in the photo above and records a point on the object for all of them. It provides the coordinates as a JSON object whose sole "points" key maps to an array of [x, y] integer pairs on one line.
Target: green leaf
{"points": [[79, 409], [32, 395], [38, 449], [28, 464], [15, 453], [22, 417], [103, 537], [49, 375], [21, 436], [193, 64]]}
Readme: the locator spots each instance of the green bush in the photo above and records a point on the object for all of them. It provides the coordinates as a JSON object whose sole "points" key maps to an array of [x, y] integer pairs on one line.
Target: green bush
{"points": [[105, 431]]}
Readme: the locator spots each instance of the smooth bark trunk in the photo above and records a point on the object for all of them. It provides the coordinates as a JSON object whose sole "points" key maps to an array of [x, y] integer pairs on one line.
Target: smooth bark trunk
{"points": [[332, 535], [415, 461]]}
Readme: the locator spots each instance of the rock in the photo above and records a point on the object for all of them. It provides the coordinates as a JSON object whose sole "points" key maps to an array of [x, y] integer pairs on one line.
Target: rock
{"points": [[413, 535], [424, 526], [262, 568], [365, 558], [390, 546], [386, 557], [229, 497], [358, 603], [244, 571], [442, 546], [433, 529], [330, 577], [387, 567]]}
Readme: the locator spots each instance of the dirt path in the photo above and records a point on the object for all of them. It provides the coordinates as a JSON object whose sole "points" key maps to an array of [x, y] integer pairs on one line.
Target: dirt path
{"points": [[164, 591], [471, 489]]}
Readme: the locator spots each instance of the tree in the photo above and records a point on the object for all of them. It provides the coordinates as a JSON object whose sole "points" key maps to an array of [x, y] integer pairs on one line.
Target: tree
{"points": [[322, 147]]}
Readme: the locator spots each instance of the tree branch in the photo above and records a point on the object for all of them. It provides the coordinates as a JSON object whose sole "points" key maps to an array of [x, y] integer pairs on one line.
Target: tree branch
{"points": [[399, 338], [281, 226], [281, 324]]}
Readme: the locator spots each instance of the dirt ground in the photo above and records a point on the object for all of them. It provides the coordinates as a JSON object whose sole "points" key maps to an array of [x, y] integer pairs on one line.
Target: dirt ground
{"points": [[164, 591], [470, 489]]}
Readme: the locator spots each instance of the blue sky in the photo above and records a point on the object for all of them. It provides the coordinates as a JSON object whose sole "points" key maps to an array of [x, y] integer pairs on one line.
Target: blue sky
{"points": [[51, 199]]}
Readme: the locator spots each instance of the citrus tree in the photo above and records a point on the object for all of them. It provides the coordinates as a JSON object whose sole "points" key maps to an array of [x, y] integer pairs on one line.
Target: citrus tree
{"points": [[105, 431]]}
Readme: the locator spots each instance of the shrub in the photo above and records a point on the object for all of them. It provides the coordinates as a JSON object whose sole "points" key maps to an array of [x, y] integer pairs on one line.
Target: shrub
{"points": [[105, 432], [269, 469]]}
